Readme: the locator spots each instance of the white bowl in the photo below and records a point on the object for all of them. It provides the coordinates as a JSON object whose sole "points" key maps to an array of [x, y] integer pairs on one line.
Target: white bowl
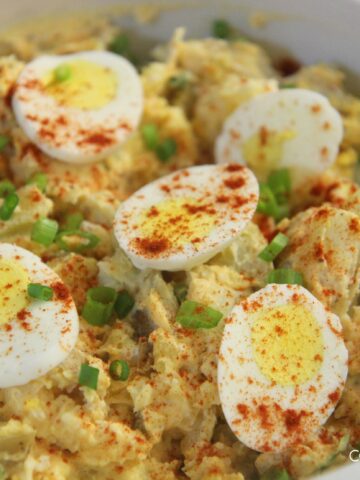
{"points": [[311, 30]]}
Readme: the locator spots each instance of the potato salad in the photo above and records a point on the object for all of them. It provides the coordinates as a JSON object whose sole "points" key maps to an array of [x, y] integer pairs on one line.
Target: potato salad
{"points": [[179, 259]]}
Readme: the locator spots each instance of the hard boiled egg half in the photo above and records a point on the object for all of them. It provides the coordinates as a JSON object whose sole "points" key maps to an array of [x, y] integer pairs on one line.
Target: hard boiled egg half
{"points": [[80, 107], [292, 128], [282, 367], [35, 335], [185, 218]]}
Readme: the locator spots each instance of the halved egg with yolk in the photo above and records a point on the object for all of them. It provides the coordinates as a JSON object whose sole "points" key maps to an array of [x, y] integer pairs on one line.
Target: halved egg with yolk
{"points": [[35, 335], [78, 108], [293, 128], [282, 367], [187, 217]]}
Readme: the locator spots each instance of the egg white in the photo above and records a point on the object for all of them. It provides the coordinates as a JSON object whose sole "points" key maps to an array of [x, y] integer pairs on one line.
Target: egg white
{"points": [[33, 109], [198, 182], [241, 382], [53, 326], [316, 124]]}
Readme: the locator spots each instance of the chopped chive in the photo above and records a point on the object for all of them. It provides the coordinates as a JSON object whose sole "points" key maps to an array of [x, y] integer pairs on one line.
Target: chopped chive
{"points": [[124, 303], [288, 85], [275, 473], [44, 231], [280, 182], [119, 370], [120, 44], [150, 135], [41, 292], [99, 305], [178, 82], [10, 202], [195, 315], [4, 140], [73, 240], [166, 149], [88, 376], [221, 29], [6, 187], [180, 291], [276, 246], [285, 276], [39, 179], [73, 221], [62, 73]]}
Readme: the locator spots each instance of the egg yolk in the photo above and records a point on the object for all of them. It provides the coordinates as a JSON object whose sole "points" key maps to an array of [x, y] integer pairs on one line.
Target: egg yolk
{"points": [[287, 344], [181, 220], [89, 86], [264, 149], [14, 281]]}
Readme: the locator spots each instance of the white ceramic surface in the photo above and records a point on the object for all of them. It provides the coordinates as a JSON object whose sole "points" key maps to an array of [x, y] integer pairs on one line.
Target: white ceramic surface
{"points": [[313, 30]]}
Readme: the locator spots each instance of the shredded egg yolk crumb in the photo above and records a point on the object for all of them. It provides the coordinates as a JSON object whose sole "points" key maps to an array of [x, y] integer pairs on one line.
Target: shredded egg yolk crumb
{"points": [[287, 344], [89, 86], [264, 149], [13, 290]]}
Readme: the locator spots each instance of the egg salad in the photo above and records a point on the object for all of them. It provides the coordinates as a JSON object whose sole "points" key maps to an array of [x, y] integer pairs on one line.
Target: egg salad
{"points": [[179, 258]]}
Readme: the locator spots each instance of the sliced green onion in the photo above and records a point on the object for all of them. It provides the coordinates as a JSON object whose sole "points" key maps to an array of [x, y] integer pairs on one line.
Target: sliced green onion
{"points": [[275, 473], [180, 291], [221, 29], [99, 305], [343, 443], [44, 231], [6, 187], [41, 292], [285, 275], [73, 221], [39, 179], [65, 240], [120, 45], [4, 140], [288, 85], [150, 135], [276, 246], [166, 149], [124, 303], [119, 370], [283, 211], [280, 182], [10, 202], [178, 82], [89, 376], [62, 73], [195, 315], [267, 201], [269, 204]]}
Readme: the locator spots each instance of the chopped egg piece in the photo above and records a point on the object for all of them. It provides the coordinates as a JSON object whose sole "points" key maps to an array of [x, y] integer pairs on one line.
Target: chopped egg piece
{"points": [[187, 217], [296, 129], [282, 367], [35, 335], [78, 108]]}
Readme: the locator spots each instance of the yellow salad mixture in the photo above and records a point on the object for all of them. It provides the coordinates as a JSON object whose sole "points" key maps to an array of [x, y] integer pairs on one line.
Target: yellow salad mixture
{"points": [[206, 327]]}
